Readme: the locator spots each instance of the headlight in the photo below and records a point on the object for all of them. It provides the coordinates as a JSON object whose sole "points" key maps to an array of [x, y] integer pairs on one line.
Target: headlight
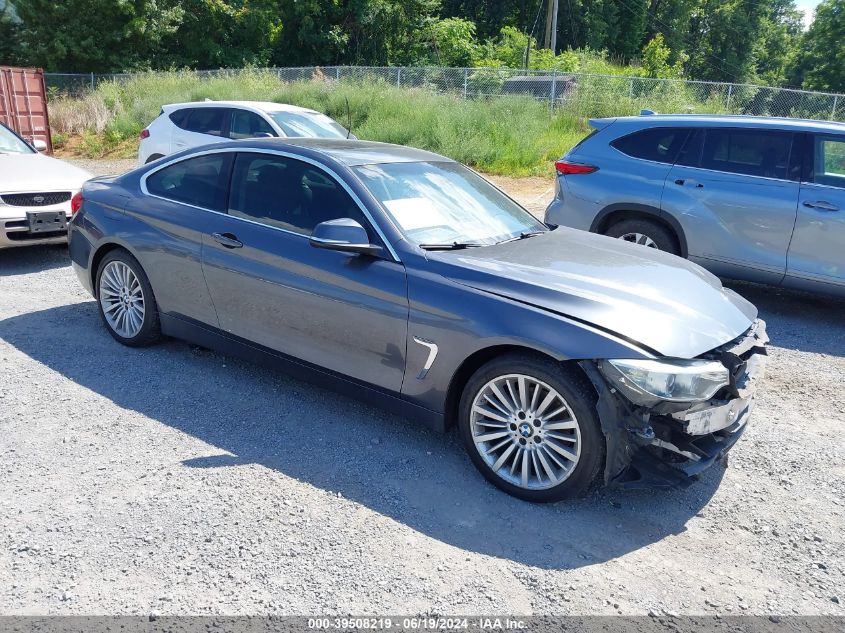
{"points": [[647, 381]]}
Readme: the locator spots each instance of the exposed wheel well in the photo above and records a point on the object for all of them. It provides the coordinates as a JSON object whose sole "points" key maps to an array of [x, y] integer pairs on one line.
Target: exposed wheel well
{"points": [[104, 250], [471, 365], [608, 220]]}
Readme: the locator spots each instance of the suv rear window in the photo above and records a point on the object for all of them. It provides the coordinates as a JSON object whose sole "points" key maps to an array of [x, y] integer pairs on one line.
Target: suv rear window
{"points": [[659, 144]]}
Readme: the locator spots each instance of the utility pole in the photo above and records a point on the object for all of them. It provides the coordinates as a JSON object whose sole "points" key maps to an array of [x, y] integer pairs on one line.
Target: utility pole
{"points": [[550, 39]]}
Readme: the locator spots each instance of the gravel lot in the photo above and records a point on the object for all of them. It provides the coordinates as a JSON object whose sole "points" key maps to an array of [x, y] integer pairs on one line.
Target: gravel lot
{"points": [[175, 480]]}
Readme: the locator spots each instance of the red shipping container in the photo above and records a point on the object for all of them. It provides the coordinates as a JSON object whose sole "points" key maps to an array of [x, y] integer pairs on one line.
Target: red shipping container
{"points": [[23, 103]]}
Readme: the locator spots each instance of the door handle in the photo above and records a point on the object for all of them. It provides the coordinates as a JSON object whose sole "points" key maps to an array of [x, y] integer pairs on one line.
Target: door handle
{"points": [[821, 205], [227, 240], [692, 183]]}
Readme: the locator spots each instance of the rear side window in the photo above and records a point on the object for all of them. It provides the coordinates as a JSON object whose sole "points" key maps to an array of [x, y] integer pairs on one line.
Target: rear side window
{"points": [[748, 152], [829, 161], [657, 144], [246, 124], [206, 121], [179, 117], [200, 181]]}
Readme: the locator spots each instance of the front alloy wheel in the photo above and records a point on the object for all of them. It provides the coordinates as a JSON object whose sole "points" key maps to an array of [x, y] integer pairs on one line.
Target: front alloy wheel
{"points": [[531, 428], [525, 432]]}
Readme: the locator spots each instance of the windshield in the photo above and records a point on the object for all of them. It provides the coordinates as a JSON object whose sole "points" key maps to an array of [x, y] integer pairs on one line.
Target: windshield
{"points": [[11, 144], [446, 203], [309, 124]]}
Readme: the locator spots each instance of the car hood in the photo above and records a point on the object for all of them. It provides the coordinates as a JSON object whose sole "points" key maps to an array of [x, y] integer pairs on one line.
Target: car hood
{"points": [[665, 303], [36, 172]]}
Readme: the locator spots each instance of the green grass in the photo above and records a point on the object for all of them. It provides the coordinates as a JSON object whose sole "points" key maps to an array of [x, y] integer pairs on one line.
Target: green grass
{"points": [[509, 135]]}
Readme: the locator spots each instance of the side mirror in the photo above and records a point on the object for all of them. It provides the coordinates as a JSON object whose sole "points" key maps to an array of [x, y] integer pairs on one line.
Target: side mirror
{"points": [[344, 235], [39, 145], [263, 135]]}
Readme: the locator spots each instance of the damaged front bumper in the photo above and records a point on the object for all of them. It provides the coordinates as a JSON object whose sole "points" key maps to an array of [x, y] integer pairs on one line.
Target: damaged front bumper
{"points": [[669, 444]]}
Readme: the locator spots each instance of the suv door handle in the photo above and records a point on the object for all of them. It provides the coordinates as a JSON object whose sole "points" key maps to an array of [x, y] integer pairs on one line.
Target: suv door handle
{"points": [[821, 205], [227, 240]]}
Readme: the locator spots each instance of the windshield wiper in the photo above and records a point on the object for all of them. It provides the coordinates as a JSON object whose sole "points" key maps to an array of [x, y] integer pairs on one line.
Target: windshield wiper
{"points": [[450, 246], [522, 236]]}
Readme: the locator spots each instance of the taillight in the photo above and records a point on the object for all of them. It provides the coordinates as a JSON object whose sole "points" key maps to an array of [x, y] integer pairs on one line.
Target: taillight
{"points": [[565, 168], [145, 133], [76, 202]]}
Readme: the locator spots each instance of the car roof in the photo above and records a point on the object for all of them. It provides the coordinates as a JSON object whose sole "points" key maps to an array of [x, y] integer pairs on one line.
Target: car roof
{"points": [[347, 152], [726, 120], [264, 106]]}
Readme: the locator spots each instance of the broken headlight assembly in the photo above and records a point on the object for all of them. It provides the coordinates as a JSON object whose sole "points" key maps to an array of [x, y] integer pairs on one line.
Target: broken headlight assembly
{"points": [[647, 382]]}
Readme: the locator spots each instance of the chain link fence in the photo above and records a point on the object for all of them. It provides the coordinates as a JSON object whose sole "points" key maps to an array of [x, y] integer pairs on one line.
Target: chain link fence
{"points": [[579, 93]]}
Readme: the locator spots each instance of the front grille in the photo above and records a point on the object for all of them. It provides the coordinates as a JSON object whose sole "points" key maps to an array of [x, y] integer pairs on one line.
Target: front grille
{"points": [[36, 199]]}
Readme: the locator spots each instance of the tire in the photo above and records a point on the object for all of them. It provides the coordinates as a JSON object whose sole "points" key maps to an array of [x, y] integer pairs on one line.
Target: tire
{"points": [[128, 292], [153, 157], [572, 478], [633, 231]]}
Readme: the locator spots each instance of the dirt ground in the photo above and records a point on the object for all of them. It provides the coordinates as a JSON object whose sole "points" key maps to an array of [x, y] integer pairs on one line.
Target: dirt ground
{"points": [[174, 480]]}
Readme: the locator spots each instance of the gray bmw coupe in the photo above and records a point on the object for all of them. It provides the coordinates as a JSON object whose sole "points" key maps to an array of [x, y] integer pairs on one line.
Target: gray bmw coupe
{"points": [[403, 278]]}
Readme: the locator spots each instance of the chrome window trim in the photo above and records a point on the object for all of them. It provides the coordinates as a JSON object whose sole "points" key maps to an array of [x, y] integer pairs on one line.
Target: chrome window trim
{"points": [[305, 159]]}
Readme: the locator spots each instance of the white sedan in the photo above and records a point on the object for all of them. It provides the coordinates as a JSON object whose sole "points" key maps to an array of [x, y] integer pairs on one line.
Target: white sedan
{"points": [[36, 193]]}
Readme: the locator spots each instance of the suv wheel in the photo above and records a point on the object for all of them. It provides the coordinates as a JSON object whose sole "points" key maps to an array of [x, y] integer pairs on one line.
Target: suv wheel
{"points": [[125, 300], [530, 426], [646, 233]]}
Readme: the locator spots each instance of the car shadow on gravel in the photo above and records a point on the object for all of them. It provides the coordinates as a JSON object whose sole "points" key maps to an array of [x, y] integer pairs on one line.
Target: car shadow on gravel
{"points": [[798, 320], [26, 260], [253, 415]]}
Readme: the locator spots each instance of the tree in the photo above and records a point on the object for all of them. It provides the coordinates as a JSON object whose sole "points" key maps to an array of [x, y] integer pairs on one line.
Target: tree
{"points": [[822, 63], [10, 33], [374, 32], [94, 35], [490, 16], [222, 34], [672, 19], [776, 50], [450, 42], [722, 38], [655, 61]]}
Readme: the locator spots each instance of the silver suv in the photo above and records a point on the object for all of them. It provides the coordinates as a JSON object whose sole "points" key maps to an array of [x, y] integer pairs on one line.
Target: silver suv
{"points": [[760, 199]]}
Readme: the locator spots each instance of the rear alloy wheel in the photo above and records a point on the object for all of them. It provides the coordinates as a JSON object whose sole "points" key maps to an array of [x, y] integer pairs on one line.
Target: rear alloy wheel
{"points": [[125, 300], [531, 428], [645, 233]]}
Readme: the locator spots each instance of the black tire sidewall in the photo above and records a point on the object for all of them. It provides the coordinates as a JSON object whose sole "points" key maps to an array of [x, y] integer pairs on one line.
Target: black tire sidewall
{"points": [[659, 234], [579, 395], [150, 329]]}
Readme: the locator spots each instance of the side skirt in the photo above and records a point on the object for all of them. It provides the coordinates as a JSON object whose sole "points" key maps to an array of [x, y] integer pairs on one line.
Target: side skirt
{"points": [[217, 340]]}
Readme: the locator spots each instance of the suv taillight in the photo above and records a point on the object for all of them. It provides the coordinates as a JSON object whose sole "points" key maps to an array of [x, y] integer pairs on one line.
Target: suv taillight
{"points": [[145, 133], [565, 168], [76, 202]]}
